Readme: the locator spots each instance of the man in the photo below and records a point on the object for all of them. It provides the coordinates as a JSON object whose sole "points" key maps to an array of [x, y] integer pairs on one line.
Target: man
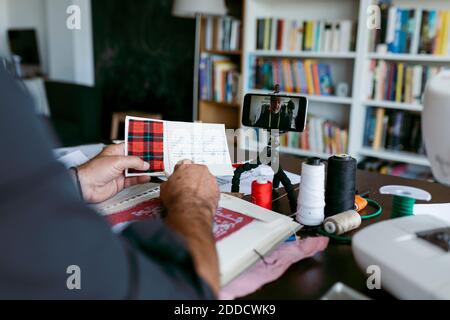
{"points": [[273, 116], [45, 226]]}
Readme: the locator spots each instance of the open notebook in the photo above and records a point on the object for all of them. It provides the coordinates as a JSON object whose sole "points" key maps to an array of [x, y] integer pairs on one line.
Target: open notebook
{"points": [[164, 143], [243, 231]]}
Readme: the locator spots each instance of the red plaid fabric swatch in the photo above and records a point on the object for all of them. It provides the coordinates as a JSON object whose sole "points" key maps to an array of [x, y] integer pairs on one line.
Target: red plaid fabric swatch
{"points": [[145, 140]]}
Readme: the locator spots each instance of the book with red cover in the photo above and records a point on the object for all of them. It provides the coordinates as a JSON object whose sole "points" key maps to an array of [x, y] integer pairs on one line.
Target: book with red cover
{"points": [[243, 231]]}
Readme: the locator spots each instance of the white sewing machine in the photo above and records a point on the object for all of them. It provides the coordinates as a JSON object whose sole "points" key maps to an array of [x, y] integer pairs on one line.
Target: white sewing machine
{"points": [[413, 255]]}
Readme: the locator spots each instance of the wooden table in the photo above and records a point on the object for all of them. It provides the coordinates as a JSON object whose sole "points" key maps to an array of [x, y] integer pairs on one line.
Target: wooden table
{"points": [[313, 277]]}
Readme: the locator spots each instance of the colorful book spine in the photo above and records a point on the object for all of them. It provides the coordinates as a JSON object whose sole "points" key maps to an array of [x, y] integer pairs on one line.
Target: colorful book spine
{"points": [[412, 31], [305, 35], [321, 136], [222, 33], [218, 79], [300, 76], [399, 82], [393, 130]]}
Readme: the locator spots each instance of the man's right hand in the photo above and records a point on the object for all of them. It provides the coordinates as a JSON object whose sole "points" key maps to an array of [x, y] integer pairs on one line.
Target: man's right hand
{"points": [[191, 197], [191, 186]]}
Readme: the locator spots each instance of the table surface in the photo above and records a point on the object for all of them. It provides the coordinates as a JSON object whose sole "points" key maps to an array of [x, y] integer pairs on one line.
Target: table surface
{"points": [[313, 277]]}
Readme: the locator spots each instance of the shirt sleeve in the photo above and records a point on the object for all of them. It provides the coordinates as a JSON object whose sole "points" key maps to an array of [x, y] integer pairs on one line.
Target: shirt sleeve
{"points": [[45, 228]]}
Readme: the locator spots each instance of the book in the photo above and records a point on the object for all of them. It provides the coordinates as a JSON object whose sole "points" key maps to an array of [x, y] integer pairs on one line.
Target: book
{"points": [[293, 75], [309, 77], [320, 135], [345, 36], [378, 129], [394, 168], [243, 231], [399, 82], [393, 130], [218, 79], [326, 82], [163, 144], [305, 35], [316, 79], [221, 33], [413, 31]]}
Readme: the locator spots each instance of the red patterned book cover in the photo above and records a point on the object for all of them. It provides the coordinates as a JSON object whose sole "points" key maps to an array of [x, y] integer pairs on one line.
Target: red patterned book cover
{"points": [[226, 222]]}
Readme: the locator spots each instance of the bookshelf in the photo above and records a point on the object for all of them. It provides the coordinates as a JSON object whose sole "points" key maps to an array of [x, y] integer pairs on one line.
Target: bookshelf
{"points": [[306, 54], [213, 110], [350, 67], [399, 156], [409, 57]]}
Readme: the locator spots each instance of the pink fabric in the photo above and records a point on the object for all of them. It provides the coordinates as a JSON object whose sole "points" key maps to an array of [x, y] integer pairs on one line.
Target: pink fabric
{"points": [[261, 274]]}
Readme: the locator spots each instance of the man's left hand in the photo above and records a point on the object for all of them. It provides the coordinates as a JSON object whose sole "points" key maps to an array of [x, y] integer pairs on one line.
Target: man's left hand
{"points": [[103, 177]]}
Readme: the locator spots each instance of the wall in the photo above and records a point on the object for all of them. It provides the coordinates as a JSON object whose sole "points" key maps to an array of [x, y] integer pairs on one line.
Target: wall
{"points": [[28, 14], [3, 26], [144, 57], [66, 55], [84, 46], [61, 53], [71, 56]]}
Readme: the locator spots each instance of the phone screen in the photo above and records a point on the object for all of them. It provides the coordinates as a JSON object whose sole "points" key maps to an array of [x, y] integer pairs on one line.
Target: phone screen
{"points": [[282, 112]]}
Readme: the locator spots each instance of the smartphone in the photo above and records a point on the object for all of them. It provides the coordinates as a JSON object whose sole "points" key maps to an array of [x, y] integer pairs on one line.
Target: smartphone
{"points": [[270, 111]]}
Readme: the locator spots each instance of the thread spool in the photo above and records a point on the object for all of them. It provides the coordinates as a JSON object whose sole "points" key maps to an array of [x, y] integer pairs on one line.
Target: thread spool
{"points": [[342, 223], [262, 193], [341, 184], [404, 199], [311, 198]]}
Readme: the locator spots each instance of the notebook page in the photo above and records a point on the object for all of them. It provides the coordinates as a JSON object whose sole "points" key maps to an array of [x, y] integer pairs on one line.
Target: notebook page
{"points": [[202, 143]]}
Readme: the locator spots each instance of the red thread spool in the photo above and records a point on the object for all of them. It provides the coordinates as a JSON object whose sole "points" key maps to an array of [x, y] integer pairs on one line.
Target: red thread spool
{"points": [[262, 193]]}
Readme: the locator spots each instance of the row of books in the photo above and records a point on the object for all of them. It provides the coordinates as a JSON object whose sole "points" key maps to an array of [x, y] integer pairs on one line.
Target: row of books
{"points": [[399, 82], [405, 30], [393, 130], [307, 76], [222, 33], [298, 35], [396, 169], [219, 79], [321, 136]]}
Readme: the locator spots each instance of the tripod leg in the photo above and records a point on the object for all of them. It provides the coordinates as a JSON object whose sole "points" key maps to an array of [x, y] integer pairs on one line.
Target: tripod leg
{"points": [[290, 190], [276, 182], [237, 176]]}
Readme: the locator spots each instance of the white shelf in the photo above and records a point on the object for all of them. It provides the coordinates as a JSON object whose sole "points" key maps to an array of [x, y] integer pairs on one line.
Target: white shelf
{"points": [[409, 57], [393, 105], [304, 153], [399, 156], [348, 67], [314, 98], [304, 54]]}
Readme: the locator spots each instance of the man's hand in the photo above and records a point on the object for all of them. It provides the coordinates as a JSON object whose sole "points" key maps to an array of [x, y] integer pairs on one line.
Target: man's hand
{"points": [[191, 197], [191, 185], [103, 177]]}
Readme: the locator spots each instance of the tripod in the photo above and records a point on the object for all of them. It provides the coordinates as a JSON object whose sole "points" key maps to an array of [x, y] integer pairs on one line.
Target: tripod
{"points": [[280, 175]]}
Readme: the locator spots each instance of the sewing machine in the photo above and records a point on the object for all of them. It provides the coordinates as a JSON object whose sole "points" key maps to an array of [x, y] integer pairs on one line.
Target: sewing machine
{"points": [[413, 255]]}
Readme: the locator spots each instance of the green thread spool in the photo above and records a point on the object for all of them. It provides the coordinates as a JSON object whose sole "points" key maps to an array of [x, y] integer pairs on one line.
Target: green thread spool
{"points": [[404, 199], [402, 207]]}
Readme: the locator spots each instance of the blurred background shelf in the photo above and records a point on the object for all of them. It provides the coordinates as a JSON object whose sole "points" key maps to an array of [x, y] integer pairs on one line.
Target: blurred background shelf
{"points": [[304, 153], [399, 156], [312, 98], [394, 105], [409, 57], [304, 54]]}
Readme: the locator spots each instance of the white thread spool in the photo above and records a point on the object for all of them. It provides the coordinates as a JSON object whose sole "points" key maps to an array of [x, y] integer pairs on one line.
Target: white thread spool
{"points": [[311, 198], [343, 222]]}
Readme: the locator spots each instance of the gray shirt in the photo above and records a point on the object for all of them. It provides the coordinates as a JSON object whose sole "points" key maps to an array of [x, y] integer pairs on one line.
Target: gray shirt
{"points": [[45, 227]]}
